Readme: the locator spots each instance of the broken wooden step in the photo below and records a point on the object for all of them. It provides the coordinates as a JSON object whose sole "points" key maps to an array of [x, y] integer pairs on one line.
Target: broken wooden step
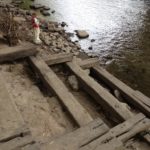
{"points": [[123, 132], [79, 137], [17, 52], [53, 83], [65, 57], [58, 58], [134, 98], [101, 95]]}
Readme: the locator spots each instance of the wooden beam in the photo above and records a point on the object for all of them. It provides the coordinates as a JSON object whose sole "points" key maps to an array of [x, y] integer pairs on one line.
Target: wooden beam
{"points": [[101, 95], [58, 58], [136, 99], [114, 144], [17, 52], [13, 133], [122, 132], [17, 142], [52, 82], [76, 139], [63, 57], [88, 63]]}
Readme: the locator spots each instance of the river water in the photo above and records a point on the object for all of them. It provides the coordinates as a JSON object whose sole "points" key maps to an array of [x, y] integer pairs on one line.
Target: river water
{"points": [[121, 29]]}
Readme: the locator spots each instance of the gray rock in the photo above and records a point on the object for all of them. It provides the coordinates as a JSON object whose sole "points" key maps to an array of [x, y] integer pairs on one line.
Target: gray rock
{"points": [[45, 13], [72, 80], [82, 34], [46, 8], [63, 24], [36, 6], [53, 11], [18, 2], [90, 48]]}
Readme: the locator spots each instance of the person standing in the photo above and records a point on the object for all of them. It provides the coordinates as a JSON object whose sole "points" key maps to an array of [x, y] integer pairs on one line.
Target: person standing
{"points": [[36, 29]]}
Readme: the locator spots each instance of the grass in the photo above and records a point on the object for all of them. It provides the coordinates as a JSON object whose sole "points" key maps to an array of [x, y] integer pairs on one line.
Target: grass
{"points": [[26, 4]]}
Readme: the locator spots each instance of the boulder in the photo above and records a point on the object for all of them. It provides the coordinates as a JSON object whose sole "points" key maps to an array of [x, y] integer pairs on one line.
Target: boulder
{"points": [[72, 80], [82, 34]]}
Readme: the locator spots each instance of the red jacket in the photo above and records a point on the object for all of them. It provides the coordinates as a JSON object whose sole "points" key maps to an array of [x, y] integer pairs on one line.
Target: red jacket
{"points": [[35, 22]]}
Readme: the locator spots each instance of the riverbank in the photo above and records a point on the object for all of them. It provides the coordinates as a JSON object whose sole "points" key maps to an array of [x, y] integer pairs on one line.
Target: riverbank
{"points": [[59, 99]]}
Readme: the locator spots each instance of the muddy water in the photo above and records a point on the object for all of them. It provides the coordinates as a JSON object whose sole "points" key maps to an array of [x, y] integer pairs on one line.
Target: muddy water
{"points": [[121, 29]]}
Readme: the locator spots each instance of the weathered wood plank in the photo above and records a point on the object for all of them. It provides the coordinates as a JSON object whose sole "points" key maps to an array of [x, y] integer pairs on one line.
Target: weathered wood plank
{"points": [[11, 134], [17, 52], [88, 63], [17, 143], [79, 137], [101, 95], [35, 146], [50, 79], [122, 132], [10, 119], [58, 58], [114, 144], [63, 57], [134, 98]]}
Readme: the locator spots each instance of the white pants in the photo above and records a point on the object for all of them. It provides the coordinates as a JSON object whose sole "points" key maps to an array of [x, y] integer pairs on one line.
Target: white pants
{"points": [[37, 35]]}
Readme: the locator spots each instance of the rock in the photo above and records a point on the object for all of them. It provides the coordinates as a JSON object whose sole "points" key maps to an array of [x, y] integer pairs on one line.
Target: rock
{"points": [[90, 48], [18, 2], [36, 6], [29, 13], [45, 13], [19, 19], [82, 34], [108, 56], [87, 71], [118, 95], [53, 11], [76, 53], [72, 80], [92, 40], [56, 50], [46, 8], [69, 34], [63, 24]]}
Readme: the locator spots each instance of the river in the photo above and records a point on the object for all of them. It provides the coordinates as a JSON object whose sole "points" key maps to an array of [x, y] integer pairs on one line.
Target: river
{"points": [[121, 29]]}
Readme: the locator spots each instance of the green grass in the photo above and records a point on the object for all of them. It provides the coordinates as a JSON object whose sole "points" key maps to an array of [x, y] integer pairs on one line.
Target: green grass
{"points": [[26, 4]]}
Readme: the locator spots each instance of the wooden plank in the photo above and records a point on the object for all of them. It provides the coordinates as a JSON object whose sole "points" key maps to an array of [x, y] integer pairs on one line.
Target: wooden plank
{"points": [[58, 58], [17, 52], [135, 98], [114, 144], [101, 95], [88, 63], [11, 134], [122, 132], [50, 79], [10, 119], [79, 137], [35, 146], [132, 97], [64, 57], [16, 143]]}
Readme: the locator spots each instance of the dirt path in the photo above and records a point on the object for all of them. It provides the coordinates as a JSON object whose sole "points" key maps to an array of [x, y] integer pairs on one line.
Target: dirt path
{"points": [[43, 114]]}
